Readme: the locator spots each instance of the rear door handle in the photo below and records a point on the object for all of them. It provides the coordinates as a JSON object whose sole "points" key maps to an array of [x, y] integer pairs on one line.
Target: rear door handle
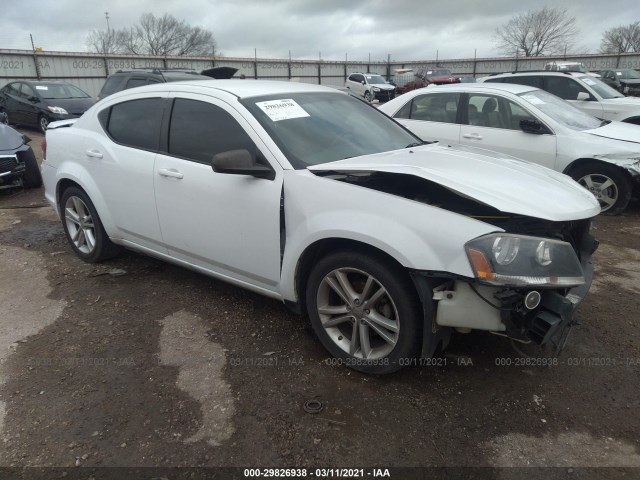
{"points": [[473, 136], [93, 153], [170, 172]]}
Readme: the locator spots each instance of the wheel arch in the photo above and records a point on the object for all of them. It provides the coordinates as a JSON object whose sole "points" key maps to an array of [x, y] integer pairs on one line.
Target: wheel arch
{"points": [[318, 249], [580, 162], [99, 204]]}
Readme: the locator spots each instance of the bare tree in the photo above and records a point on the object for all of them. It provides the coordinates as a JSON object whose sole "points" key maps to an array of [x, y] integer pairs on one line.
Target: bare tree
{"points": [[537, 32], [165, 35], [623, 39], [101, 41]]}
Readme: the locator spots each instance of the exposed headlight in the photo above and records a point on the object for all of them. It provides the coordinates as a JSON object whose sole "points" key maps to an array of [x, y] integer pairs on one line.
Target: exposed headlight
{"points": [[375, 89], [626, 89], [505, 249], [507, 259], [57, 110], [543, 254]]}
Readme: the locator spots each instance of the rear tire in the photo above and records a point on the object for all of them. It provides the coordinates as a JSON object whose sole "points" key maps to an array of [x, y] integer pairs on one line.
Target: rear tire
{"points": [[365, 311], [608, 183], [32, 177], [83, 227]]}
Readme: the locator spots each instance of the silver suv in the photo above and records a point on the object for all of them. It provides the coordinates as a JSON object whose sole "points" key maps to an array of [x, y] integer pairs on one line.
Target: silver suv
{"points": [[371, 86], [585, 92]]}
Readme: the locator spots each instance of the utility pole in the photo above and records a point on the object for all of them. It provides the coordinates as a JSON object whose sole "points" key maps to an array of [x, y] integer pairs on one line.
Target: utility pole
{"points": [[35, 57], [106, 15]]}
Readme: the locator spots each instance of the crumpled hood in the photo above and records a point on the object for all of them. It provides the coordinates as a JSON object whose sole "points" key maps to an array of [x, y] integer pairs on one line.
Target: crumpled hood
{"points": [[10, 139], [504, 183]]}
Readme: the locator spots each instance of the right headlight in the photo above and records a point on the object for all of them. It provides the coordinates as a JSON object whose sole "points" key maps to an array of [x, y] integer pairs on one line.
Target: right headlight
{"points": [[511, 260]]}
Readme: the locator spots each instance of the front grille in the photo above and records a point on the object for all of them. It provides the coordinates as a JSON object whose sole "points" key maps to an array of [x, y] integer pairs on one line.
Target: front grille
{"points": [[7, 164]]}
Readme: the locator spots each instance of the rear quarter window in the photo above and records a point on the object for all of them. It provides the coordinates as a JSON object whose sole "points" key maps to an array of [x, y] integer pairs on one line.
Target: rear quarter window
{"points": [[135, 123]]}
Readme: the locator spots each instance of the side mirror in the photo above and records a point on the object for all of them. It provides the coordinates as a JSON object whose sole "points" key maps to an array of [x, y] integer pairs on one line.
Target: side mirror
{"points": [[533, 126], [582, 96], [34, 99], [240, 162], [363, 82]]}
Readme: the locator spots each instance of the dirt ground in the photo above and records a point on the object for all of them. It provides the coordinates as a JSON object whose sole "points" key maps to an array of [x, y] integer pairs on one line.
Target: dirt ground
{"points": [[161, 366]]}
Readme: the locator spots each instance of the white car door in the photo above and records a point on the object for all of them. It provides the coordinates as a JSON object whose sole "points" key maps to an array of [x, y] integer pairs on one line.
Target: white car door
{"points": [[356, 85], [227, 224], [122, 167], [432, 116], [493, 123]]}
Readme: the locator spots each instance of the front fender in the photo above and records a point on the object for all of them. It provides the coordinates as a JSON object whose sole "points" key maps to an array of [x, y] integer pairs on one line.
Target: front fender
{"points": [[418, 236]]}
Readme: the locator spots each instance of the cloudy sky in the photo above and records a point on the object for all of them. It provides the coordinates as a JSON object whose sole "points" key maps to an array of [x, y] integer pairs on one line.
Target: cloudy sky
{"points": [[406, 29]]}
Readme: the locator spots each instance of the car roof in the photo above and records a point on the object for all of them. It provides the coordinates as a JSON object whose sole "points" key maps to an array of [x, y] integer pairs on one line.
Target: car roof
{"points": [[480, 87], [44, 82], [539, 72], [240, 88]]}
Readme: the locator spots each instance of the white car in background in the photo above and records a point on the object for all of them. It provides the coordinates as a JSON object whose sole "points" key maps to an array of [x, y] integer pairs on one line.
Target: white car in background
{"points": [[582, 90], [309, 196], [531, 124], [370, 86]]}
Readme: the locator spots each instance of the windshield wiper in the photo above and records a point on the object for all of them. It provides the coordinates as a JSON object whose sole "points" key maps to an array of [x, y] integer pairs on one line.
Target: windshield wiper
{"points": [[415, 144], [605, 122]]}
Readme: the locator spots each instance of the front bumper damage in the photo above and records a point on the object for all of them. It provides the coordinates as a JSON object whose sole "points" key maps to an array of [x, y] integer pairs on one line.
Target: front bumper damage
{"points": [[11, 170], [462, 304]]}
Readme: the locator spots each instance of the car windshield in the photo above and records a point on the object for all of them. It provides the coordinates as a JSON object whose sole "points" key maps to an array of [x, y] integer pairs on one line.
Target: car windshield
{"points": [[59, 91], [375, 80], [601, 88], [562, 112], [628, 74], [318, 127]]}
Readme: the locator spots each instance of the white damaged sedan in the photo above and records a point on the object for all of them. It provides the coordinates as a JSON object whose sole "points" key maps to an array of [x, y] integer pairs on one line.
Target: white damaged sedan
{"points": [[307, 195]]}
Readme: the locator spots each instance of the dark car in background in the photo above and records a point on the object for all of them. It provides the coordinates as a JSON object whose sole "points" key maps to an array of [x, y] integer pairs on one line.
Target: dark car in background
{"points": [[430, 76], [626, 81], [36, 103], [138, 77], [18, 165]]}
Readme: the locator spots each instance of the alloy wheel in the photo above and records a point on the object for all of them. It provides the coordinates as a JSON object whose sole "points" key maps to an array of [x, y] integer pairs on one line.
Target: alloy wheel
{"points": [[80, 225], [602, 187], [358, 313]]}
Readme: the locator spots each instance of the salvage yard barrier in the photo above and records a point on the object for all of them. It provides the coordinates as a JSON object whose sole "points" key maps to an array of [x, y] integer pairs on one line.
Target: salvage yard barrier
{"points": [[89, 70]]}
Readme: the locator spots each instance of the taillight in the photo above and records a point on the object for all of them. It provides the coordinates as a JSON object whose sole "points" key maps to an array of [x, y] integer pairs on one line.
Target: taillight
{"points": [[44, 148]]}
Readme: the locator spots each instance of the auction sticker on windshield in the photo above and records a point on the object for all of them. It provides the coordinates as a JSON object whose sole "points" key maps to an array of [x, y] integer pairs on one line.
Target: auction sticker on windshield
{"points": [[284, 109]]}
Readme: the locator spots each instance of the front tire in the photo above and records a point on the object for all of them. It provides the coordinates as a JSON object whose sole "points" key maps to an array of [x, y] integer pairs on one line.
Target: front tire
{"points": [[43, 122], [608, 183], [367, 97], [32, 177], [83, 227], [365, 311]]}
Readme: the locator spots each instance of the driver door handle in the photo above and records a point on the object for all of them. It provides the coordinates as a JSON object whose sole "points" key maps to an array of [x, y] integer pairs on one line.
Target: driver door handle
{"points": [[170, 172], [473, 136]]}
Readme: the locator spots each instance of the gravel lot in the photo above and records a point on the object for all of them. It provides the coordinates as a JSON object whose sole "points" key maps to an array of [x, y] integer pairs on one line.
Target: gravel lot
{"points": [[161, 366]]}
